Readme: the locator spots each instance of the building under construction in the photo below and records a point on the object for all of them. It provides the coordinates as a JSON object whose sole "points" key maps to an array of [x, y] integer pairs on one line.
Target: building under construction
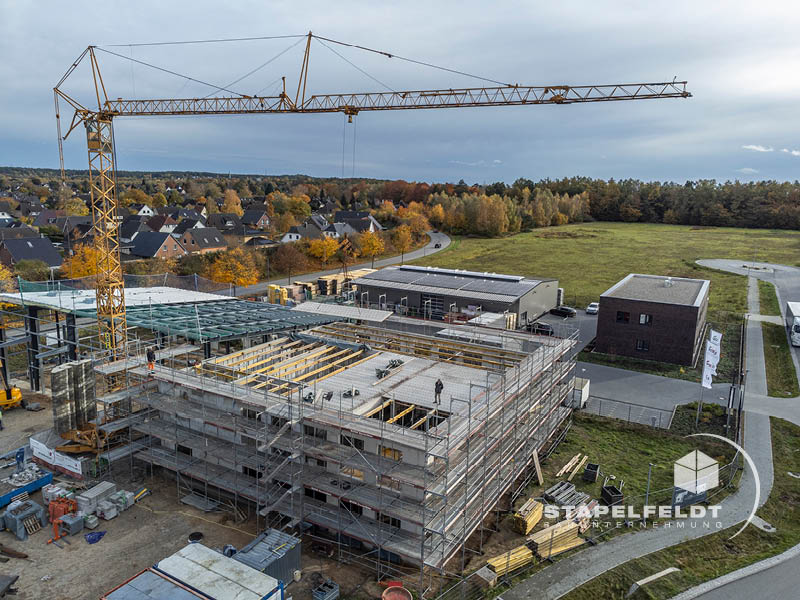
{"points": [[338, 431]]}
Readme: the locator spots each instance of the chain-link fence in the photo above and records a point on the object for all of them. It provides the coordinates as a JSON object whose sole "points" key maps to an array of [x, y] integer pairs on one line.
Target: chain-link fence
{"points": [[630, 412]]}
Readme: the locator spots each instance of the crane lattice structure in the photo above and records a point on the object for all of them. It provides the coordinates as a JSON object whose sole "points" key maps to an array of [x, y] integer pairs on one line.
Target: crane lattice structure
{"points": [[98, 123]]}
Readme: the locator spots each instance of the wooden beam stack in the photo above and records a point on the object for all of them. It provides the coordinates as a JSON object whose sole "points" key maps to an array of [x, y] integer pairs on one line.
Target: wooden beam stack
{"points": [[556, 539], [526, 518], [511, 560]]}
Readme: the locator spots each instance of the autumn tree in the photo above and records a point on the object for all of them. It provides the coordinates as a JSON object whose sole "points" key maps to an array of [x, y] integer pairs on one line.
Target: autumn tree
{"points": [[7, 280], [211, 206], [83, 262], [323, 248], [232, 203], [371, 245], [234, 266], [75, 207], [288, 259], [32, 270], [159, 200], [401, 240]]}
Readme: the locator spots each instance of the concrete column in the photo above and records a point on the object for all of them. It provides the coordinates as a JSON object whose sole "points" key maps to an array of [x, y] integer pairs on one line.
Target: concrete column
{"points": [[4, 366], [32, 329], [71, 335], [206, 350]]}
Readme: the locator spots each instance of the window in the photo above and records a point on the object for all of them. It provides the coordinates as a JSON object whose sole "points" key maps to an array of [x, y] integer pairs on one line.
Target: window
{"points": [[645, 319], [623, 317], [250, 472], [316, 495], [184, 450], [642, 345], [353, 472], [352, 507], [390, 453], [356, 443], [386, 482], [310, 460], [388, 520], [315, 432]]}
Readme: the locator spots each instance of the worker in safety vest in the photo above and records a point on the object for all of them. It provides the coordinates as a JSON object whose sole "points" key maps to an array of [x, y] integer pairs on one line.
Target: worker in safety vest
{"points": [[151, 360]]}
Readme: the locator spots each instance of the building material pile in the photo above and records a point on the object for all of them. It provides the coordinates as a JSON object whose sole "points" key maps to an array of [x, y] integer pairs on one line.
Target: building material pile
{"points": [[511, 560], [582, 514], [564, 494], [526, 518], [556, 539]]}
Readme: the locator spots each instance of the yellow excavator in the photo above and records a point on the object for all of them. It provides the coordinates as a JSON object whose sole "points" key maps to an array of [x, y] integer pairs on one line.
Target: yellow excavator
{"points": [[10, 395]]}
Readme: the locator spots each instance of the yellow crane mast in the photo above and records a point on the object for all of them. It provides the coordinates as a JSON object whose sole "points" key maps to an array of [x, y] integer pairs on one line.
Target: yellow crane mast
{"points": [[100, 139]]}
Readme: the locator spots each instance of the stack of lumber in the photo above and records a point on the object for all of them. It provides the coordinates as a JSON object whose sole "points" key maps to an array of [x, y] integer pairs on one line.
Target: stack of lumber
{"points": [[556, 539], [582, 514], [330, 285], [511, 560], [526, 518], [573, 461]]}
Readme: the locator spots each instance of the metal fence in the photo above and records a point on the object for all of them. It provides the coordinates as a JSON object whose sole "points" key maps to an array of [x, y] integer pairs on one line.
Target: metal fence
{"points": [[628, 411], [184, 282]]}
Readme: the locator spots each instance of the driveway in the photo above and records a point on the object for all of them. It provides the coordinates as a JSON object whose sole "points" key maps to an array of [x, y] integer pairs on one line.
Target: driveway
{"points": [[430, 248]]}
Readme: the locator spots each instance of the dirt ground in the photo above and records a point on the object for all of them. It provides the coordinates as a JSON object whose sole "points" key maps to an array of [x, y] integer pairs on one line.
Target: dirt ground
{"points": [[154, 528]]}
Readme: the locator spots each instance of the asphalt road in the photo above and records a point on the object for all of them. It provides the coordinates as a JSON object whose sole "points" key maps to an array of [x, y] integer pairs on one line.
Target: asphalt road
{"points": [[430, 248], [785, 278], [776, 583]]}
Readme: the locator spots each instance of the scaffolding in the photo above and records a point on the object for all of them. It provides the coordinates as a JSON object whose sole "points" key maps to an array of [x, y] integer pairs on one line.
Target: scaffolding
{"points": [[392, 480]]}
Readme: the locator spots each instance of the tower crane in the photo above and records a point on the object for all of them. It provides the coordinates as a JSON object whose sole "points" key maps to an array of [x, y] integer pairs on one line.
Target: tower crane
{"points": [[98, 123]]}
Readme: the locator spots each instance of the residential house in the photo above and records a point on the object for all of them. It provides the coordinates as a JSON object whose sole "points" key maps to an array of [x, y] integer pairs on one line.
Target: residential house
{"points": [[18, 231], [141, 210], [185, 225], [255, 218], [324, 206], [203, 240], [14, 250], [6, 219], [155, 244], [360, 220], [162, 223], [338, 230], [308, 230], [48, 218], [319, 220], [227, 223], [30, 206], [179, 213], [260, 242], [131, 227]]}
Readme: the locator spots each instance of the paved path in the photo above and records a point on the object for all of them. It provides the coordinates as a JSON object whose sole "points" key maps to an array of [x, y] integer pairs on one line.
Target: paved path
{"points": [[785, 278], [565, 575], [430, 248]]}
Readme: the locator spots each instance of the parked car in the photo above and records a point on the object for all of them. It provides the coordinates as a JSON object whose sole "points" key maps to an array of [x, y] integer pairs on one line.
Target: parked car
{"points": [[593, 308], [540, 328], [563, 311], [437, 245]]}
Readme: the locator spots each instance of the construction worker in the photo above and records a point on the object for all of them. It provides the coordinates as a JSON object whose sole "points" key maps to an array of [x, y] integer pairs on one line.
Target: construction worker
{"points": [[438, 391], [151, 360]]}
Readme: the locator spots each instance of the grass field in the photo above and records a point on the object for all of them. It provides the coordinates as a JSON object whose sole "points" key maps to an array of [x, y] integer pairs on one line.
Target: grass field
{"points": [[588, 258], [714, 555], [768, 299], [781, 376]]}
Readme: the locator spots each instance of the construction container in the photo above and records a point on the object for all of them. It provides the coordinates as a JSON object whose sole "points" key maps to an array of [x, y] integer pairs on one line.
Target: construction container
{"points": [[90, 521], [273, 553], [591, 472], [18, 512]]}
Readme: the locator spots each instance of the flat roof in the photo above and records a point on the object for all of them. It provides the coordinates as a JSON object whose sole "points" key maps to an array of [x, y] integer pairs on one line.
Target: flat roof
{"points": [[72, 300], [452, 282], [196, 571], [344, 310], [660, 288]]}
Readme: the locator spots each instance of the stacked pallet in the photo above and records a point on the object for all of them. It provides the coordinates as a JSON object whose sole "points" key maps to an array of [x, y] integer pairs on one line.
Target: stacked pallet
{"points": [[582, 514], [526, 518], [511, 560], [556, 539], [330, 285], [564, 494]]}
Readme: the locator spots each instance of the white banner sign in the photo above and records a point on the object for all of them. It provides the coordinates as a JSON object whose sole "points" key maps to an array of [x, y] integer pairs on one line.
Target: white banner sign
{"points": [[707, 378], [715, 337], [68, 463], [712, 354], [712, 358], [42, 451]]}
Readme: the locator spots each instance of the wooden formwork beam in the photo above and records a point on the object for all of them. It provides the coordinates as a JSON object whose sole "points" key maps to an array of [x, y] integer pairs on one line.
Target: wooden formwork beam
{"points": [[352, 354], [378, 409], [284, 367], [402, 413]]}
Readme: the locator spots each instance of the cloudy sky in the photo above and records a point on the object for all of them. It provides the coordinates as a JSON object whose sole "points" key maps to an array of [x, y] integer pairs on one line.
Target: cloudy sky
{"points": [[741, 60]]}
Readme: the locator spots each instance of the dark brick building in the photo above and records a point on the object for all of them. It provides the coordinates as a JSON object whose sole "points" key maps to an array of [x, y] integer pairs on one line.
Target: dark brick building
{"points": [[654, 318]]}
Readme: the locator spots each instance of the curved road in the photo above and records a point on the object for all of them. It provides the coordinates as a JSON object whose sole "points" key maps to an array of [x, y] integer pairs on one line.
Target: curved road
{"points": [[430, 248], [775, 583]]}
